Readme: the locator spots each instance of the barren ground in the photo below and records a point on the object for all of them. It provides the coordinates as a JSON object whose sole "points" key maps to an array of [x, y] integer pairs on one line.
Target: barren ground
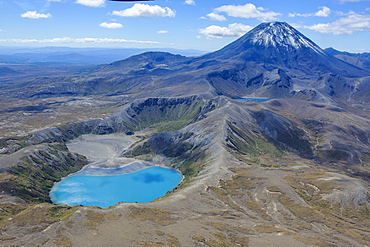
{"points": [[233, 202], [238, 204]]}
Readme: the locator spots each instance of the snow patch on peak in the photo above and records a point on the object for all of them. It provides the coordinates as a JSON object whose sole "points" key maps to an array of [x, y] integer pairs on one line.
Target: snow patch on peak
{"points": [[280, 34]]}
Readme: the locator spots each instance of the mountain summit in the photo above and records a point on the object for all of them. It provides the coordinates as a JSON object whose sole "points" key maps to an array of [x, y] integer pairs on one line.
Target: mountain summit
{"points": [[277, 38], [281, 36], [279, 45]]}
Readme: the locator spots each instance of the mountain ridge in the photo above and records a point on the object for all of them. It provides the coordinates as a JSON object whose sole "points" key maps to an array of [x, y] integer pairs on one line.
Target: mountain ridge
{"points": [[230, 71], [361, 60], [280, 45]]}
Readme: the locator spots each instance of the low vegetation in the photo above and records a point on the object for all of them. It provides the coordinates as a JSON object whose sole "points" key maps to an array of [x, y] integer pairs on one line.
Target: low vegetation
{"points": [[38, 217], [34, 176], [165, 115], [93, 219], [14, 143], [31, 180], [224, 235], [352, 221], [250, 147], [8, 210], [158, 216]]}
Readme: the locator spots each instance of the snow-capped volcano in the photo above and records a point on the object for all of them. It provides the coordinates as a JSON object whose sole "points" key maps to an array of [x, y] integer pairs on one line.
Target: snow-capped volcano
{"points": [[279, 34], [278, 45]]}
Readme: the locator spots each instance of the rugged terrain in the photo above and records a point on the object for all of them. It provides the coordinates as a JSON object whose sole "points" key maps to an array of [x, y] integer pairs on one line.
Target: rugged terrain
{"points": [[291, 171], [361, 60]]}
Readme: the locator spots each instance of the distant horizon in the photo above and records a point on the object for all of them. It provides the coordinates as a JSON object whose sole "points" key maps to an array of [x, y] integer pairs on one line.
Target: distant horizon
{"points": [[136, 48], [98, 47], [66, 56]]}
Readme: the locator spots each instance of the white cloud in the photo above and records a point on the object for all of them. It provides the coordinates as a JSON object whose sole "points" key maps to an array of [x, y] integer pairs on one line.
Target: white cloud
{"points": [[346, 25], [216, 17], [343, 1], [190, 2], [54, 0], [145, 10], [92, 3], [247, 11], [162, 31], [35, 15], [77, 40], [112, 25], [323, 12], [233, 30]]}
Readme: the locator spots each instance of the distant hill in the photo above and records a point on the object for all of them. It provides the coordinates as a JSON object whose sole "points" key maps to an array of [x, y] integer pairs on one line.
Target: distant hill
{"points": [[361, 60], [273, 60], [65, 56], [7, 71]]}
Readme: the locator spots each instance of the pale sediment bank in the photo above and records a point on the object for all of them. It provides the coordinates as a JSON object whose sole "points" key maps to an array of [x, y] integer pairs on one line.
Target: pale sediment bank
{"points": [[119, 170], [104, 152]]}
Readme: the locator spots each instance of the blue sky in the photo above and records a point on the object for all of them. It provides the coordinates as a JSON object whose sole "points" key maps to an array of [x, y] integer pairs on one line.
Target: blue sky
{"points": [[184, 24]]}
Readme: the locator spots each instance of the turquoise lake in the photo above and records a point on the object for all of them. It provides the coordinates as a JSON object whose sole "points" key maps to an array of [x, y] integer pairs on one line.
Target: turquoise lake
{"points": [[100, 188], [253, 99]]}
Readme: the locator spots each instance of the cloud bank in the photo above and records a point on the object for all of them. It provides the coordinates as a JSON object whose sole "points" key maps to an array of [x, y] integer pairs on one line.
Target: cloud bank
{"points": [[323, 12], [92, 3], [77, 40], [346, 25], [247, 11], [145, 10], [216, 17], [190, 2], [113, 25], [343, 1], [233, 30], [35, 15]]}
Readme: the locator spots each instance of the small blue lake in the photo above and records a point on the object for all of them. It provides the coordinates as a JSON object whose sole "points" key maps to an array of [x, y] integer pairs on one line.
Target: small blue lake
{"points": [[253, 99], [104, 188]]}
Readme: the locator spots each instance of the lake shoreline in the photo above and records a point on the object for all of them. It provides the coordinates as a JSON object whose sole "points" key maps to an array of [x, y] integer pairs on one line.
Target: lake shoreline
{"points": [[105, 163]]}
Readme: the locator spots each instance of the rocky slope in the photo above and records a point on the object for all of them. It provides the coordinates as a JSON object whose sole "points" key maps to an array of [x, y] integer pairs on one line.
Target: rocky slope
{"points": [[249, 168], [361, 60], [279, 45]]}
